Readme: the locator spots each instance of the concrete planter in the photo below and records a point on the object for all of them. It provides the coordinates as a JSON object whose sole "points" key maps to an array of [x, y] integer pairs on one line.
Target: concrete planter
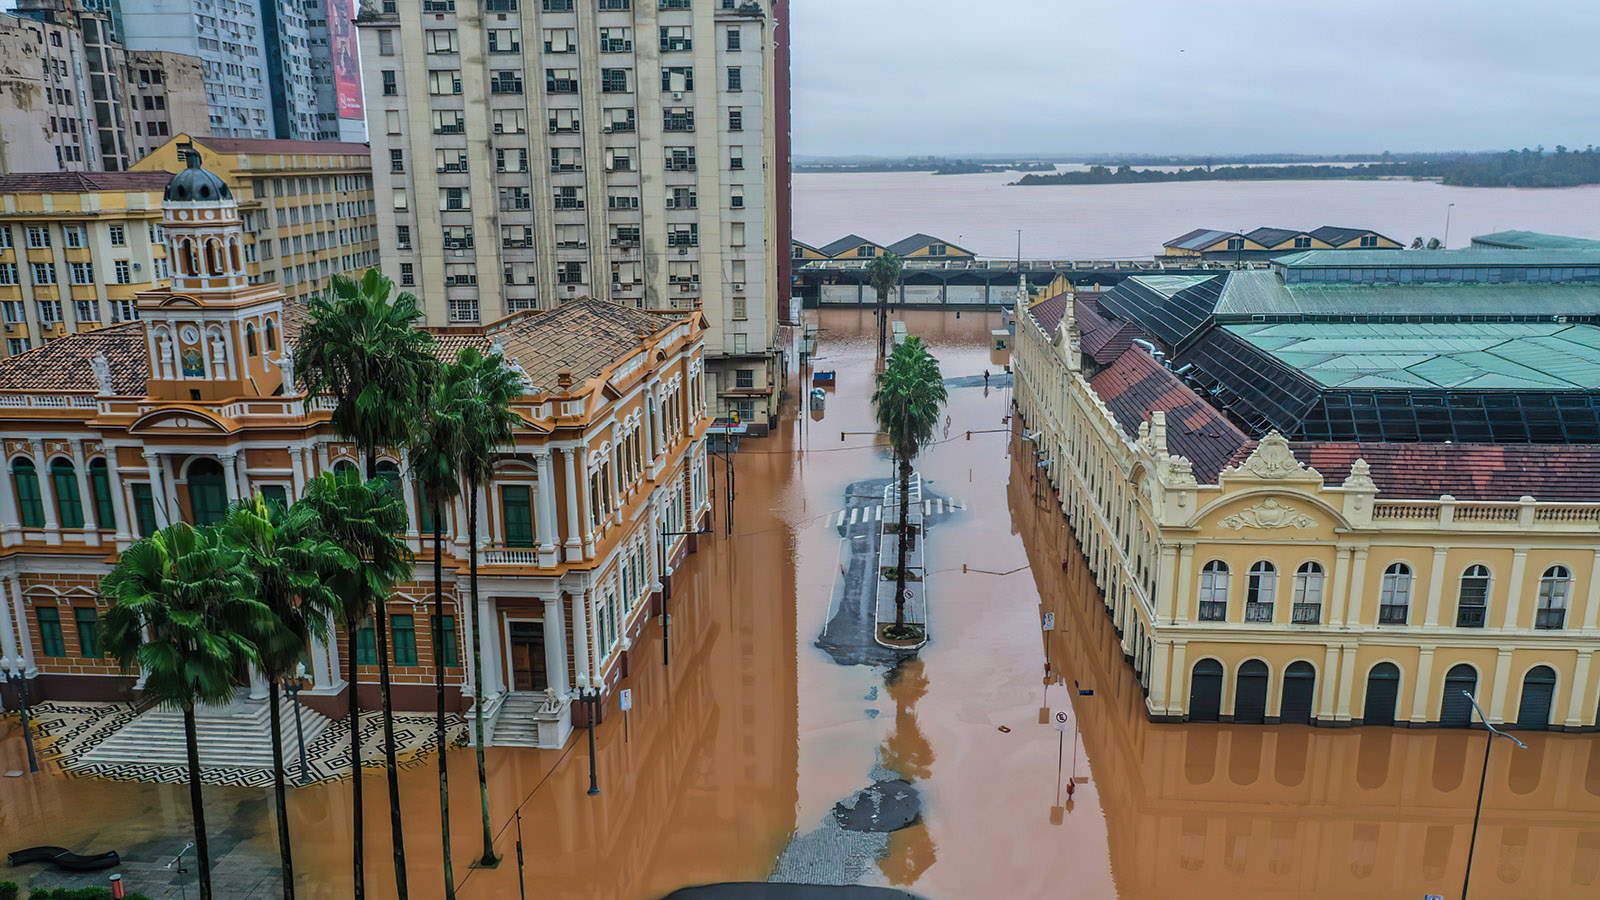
{"points": [[916, 605]]}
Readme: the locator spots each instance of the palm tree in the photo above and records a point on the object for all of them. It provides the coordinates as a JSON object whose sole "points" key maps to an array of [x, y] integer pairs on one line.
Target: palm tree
{"points": [[907, 402], [182, 612], [363, 518], [368, 354], [487, 387], [435, 454], [884, 273], [287, 554]]}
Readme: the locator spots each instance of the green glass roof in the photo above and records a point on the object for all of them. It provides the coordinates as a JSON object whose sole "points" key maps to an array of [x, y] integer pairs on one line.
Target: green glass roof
{"points": [[1533, 240], [1260, 292], [1472, 356]]}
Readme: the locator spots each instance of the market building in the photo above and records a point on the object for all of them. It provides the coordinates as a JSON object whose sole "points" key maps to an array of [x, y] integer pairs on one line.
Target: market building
{"points": [[113, 433], [1213, 245], [1318, 526]]}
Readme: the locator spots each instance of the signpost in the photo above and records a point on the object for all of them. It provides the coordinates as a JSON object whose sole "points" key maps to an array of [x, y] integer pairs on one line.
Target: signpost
{"points": [[627, 704]]}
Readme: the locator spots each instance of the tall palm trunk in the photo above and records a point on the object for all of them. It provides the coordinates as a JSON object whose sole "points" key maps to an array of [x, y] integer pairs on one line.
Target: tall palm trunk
{"points": [[883, 321], [281, 793], [381, 630], [438, 683], [197, 807], [905, 540], [358, 819], [488, 858]]}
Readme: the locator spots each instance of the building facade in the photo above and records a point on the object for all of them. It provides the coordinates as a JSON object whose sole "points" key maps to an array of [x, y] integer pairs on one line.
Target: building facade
{"points": [[76, 248], [112, 434], [166, 96], [1212, 245], [45, 113], [526, 154], [1255, 580]]}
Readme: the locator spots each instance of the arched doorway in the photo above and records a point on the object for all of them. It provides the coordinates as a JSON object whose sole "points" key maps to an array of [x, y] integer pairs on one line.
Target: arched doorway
{"points": [[1383, 688], [208, 494], [1205, 691], [1456, 709], [1538, 690], [1299, 684], [1250, 701]]}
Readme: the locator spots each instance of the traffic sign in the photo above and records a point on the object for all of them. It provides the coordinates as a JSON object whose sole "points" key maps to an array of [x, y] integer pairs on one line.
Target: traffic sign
{"points": [[1061, 719], [627, 698], [909, 595]]}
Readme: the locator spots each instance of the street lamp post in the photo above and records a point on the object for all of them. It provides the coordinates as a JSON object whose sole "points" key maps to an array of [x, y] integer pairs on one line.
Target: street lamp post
{"points": [[1446, 244], [294, 685], [15, 669], [1478, 810], [591, 702]]}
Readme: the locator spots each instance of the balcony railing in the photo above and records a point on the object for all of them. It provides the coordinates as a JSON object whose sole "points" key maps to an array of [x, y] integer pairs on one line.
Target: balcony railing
{"points": [[1470, 617], [1213, 610], [1258, 612], [509, 556], [1550, 619], [1392, 613], [1306, 614]]}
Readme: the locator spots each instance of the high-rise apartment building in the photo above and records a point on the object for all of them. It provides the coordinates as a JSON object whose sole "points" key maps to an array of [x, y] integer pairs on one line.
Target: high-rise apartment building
{"points": [[229, 37], [166, 96], [528, 152], [47, 120]]}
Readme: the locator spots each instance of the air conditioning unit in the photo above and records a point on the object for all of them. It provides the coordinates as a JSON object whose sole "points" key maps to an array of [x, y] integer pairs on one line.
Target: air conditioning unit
{"points": [[683, 251], [738, 286], [677, 95], [137, 266], [10, 327]]}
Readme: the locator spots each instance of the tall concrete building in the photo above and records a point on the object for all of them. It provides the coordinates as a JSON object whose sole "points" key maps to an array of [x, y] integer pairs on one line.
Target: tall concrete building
{"points": [[528, 153], [166, 96], [60, 90], [228, 35]]}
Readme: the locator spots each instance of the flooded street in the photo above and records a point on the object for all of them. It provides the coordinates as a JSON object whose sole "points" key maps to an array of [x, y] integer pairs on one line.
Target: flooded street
{"points": [[736, 753]]}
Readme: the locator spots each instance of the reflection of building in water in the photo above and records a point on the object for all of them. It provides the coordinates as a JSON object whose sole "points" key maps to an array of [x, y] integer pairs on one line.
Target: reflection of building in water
{"points": [[1388, 560], [1287, 810]]}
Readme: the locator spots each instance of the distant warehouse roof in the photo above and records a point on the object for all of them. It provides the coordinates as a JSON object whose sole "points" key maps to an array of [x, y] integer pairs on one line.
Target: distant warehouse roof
{"points": [[1532, 240]]}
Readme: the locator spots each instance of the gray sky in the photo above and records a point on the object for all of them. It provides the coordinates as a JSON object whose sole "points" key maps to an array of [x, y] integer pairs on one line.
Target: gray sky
{"points": [[899, 77]]}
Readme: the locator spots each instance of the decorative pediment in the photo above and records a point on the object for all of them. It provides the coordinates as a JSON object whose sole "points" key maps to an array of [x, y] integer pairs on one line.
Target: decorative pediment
{"points": [[1269, 514], [1272, 458], [178, 421]]}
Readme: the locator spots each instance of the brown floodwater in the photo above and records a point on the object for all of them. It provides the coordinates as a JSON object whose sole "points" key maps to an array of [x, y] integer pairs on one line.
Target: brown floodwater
{"points": [[752, 734]]}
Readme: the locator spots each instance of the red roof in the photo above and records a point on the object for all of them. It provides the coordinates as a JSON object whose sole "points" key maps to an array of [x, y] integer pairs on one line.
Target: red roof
{"points": [[273, 145], [1103, 336], [1048, 312], [81, 182], [1502, 472], [1135, 385]]}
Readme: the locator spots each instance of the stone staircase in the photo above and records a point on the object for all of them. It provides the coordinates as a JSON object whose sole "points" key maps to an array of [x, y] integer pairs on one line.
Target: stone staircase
{"points": [[235, 735], [525, 720]]}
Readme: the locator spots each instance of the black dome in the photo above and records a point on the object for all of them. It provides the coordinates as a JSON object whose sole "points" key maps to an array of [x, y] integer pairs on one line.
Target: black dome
{"points": [[195, 183]]}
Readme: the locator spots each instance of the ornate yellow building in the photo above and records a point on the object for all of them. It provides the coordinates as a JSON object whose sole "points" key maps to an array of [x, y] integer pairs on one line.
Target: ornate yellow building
{"points": [[1334, 582]]}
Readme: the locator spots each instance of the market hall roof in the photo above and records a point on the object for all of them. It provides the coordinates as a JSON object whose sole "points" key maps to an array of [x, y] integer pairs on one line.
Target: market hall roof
{"points": [[918, 241], [1173, 308], [1496, 472], [1532, 240], [1199, 239], [845, 244], [1135, 386]]}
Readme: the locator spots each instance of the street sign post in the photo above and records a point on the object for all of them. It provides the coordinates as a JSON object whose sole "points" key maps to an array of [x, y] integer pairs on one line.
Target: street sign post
{"points": [[627, 704]]}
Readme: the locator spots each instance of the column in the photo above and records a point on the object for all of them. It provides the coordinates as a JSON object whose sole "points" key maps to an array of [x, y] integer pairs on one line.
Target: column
{"points": [[408, 491], [654, 538], [1502, 675], [573, 544], [1519, 564], [10, 521], [297, 474], [596, 652], [657, 422], [1347, 677], [335, 670], [119, 503], [47, 490], [555, 646], [323, 463], [1177, 700], [170, 482], [86, 503], [1424, 686], [24, 639], [488, 530], [544, 507], [1436, 578], [1579, 691], [1591, 605], [1166, 583], [319, 659], [241, 467], [1156, 669], [459, 535], [580, 636], [258, 684], [230, 475], [589, 515], [1328, 692], [8, 636], [493, 680], [158, 490], [1179, 609], [1358, 586]]}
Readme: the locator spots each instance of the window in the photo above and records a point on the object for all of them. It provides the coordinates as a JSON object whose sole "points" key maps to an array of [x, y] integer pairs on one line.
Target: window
{"points": [[680, 159], [38, 236], [625, 235], [144, 508], [614, 81], [514, 159], [569, 273], [8, 275], [30, 503], [557, 5], [736, 196], [677, 118], [683, 272], [408, 277], [566, 159], [517, 505], [1260, 590], [733, 39], [402, 201], [513, 237], [1394, 603], [735, 78], [385, 43], [88, 631], [1214, 591], [49, 311], [463, 310], [615, 40], [619, 159], [12, 311], [622, 201], [457, 237], [683, 235], [675, 37], [559, 40], [1302, 243], [1555, 586], [82, 273], [75, 235], [618, 119], [460, 275], [744, 378], [506, 81], [1368, 240], [366, 645], [444, 641], [402, 233], [250, 339], [520, 273], [453, 159], [570, 237], [736, 119], [391, 87], [515, 198], [208, 499], [1472, 601], [64, 485], [677, 78], [87, 310], [567, 198], [442, 40], [391, 120], [449, 121], [504, 40], [50, 632], [1235, 243], [625, 274], [1308, 594], [444, 81], [44, 273], [454, 198], [615, 4], [510, 121], [123, 271], [5, 237], [404, 630], [561, 81]]}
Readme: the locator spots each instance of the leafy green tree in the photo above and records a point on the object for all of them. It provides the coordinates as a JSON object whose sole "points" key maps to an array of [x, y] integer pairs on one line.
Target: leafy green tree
{"points": [[367, 352], [183, 612], [486, 388], [883, 273], [287, 554], [907, 402], [364, 519], [436, 451]]}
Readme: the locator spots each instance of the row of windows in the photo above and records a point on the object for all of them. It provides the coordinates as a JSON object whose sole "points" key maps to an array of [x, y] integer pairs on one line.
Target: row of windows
{"points": [[403, 641], [1395, 595]]}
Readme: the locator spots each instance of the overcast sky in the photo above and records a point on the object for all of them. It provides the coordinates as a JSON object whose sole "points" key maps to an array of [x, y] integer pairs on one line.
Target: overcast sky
{"points": [[900, 77]]}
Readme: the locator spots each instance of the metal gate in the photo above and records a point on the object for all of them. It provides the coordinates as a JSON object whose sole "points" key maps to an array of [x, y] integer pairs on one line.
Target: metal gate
{"points": [[1383, 687], [1456, 710], [1250, 704], [1299, 684], [1205, 691], [1538, 690]]}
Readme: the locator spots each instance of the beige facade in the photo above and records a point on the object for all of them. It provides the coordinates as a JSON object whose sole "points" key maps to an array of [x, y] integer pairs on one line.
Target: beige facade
{"points": [[167, 96], [46, 124], [528, 154], [1270, 592]]}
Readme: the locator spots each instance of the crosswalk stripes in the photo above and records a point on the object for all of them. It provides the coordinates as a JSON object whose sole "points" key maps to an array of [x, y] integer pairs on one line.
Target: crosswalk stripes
{"points": [[853, 511], [840, 523]]}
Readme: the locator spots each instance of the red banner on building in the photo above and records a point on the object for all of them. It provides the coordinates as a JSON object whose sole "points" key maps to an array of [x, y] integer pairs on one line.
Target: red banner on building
{"points": [[346, 58]]}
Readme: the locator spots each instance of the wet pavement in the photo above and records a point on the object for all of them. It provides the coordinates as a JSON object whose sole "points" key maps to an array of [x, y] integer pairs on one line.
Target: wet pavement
{"points": [[737, 754]]}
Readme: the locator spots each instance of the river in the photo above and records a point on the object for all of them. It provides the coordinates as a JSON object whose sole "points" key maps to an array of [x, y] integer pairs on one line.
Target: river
{"points": [[1131, 221]]}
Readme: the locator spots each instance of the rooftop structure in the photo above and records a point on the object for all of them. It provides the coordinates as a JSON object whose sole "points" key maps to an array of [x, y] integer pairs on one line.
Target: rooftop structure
{"points": [[1532, 240], [1265, 243]]}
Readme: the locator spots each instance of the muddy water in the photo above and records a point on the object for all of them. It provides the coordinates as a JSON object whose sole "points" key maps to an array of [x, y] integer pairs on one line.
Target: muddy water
{"points": [[752, 734]]}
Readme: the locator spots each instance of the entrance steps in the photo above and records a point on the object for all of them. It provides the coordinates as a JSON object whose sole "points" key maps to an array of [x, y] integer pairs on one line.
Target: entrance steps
{"points": [[234, 735], [529, 719]]}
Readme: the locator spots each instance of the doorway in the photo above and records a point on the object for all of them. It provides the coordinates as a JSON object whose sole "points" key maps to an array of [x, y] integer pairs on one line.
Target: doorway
{"points": [[1299, 684], [527, 656]]}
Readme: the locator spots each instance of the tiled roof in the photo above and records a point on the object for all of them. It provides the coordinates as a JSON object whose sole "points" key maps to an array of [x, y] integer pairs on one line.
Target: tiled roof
{"points": [[1136, 385], [1335, 235], [917, 242], [272, 145], [81, 182], [1272, 237], [1048, 312], [64, 364], [1501, 472], [1103, 336], [1199, 238], [848, 242]]}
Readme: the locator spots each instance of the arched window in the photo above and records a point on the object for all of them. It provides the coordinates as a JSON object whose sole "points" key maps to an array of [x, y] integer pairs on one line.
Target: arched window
{"points": [[105, 516], [213, 257], [30, 503], [1308, 594], [249, 339], [344, 468], [1472, 602], [1214, 591], [270, 333], [1260, 590], [64, 484], [188, 260], [1554, 589], [233, 254], [1394, 604], [208, 495]]}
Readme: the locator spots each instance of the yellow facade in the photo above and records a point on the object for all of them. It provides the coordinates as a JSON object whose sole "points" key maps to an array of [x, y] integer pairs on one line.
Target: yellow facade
{"points": [[1227, 572]]}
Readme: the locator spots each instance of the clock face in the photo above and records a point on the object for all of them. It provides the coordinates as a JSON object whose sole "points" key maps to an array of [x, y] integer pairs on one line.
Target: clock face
{"points": [[190, 334]]}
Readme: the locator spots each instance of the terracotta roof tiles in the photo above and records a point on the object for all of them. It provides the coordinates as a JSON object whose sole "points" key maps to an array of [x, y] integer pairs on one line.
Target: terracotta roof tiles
{"points": [[64, 364], [1135, 385], [81, 182], [1501, 472]]}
